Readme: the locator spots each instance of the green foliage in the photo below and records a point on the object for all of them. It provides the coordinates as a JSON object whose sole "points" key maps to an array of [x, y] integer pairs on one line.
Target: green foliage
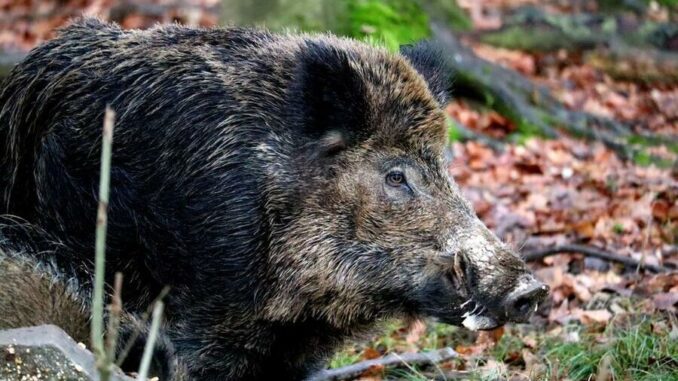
{"points": [[453, 132], [507, 345], [635, 353], [577, 360], [439, 335], [644, 355], [344, 358], [391, 22], [618, 228]]}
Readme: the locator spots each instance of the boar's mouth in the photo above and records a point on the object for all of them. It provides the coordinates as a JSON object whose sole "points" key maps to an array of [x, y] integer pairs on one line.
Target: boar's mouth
{"points": [[472, 315], [517, 306], [513, 300], [451, 300], [476, 317]]}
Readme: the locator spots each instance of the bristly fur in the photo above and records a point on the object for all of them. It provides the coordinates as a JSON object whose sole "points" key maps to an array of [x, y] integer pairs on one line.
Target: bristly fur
{"points": [[34, 291], [429, 59], [248, 174]]}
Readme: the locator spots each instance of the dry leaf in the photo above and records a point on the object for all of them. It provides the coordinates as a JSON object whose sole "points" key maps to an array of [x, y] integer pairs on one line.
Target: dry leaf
{"points": [[594, 316]]}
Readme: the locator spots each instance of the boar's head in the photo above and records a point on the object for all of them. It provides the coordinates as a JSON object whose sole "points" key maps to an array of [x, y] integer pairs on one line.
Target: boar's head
{"points": [[379, 228]]}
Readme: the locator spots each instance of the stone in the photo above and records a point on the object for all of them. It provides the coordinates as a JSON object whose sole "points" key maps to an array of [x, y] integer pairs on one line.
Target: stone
{"points": [[46, 353]]}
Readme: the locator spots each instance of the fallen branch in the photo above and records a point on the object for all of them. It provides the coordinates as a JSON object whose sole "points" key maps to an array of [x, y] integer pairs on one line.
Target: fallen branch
{"points": [[352, 371], [590, 251]]}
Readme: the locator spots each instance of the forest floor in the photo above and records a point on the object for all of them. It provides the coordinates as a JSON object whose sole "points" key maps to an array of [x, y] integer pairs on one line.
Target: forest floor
{"points": [[603, 320]]}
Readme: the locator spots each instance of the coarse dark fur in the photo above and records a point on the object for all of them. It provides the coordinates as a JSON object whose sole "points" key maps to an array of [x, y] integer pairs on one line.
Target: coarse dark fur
{"points": [[258, 176], [37, 292]]}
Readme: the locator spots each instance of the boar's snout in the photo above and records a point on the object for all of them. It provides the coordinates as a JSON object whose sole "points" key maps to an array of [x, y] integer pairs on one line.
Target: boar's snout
{"points": [[498, 286], [524, 299]]}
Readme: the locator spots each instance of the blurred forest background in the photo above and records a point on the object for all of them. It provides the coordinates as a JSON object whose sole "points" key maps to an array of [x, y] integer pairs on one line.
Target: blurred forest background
{"points": [[564, 135]]}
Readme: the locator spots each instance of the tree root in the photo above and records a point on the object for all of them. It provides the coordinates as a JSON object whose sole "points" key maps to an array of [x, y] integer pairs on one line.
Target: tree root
{"points": [[532, 107], [591, 251], [466, 134]]}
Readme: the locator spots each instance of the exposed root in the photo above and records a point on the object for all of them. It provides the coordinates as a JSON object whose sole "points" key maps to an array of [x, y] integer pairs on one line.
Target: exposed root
{"points": [[591, 251]]}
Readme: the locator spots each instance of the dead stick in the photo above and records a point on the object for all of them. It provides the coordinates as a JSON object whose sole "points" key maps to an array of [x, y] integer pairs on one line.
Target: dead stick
{"points": [[355, 370], [137, 330], [115, 311], [591, 251]]}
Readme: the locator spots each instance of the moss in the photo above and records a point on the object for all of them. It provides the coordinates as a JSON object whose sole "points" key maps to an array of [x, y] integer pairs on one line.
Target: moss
{"points": [[652, 142], [618, 228], [453, 132], [393, 22], [450, 13], [643, 158], [520, 38], [385, 22]]}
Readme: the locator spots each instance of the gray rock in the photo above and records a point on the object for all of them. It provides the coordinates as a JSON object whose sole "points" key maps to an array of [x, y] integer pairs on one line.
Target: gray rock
{"points": [[46, 353]]}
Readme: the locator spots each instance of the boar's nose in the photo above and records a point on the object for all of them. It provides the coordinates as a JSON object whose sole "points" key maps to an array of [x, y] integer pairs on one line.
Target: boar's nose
{"points": [[525, 299]]}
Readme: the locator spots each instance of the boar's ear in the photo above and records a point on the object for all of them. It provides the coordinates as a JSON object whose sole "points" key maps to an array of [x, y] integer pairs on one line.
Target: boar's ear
{"points": [[429, 59], [329, 99]]}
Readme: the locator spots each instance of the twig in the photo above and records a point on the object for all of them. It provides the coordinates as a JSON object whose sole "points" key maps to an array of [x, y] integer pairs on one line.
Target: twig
{"points": [[591, 251], [100, 248], [150, 342], [115, 310], [137, 331], [648, 229], [409, 359]]}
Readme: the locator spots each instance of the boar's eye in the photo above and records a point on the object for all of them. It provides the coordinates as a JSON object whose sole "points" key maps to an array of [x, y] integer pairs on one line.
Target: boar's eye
{"points": [[396, 179]]}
